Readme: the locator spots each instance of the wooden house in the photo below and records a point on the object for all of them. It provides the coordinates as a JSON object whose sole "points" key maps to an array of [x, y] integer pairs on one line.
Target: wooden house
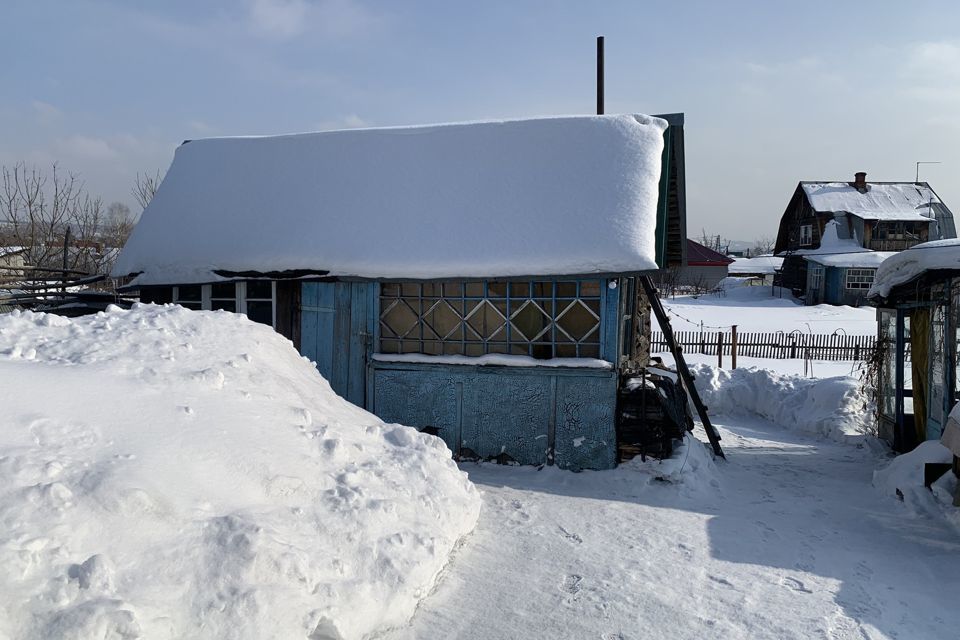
{"points": [[478, 280], [848, 218], [917, 293]]}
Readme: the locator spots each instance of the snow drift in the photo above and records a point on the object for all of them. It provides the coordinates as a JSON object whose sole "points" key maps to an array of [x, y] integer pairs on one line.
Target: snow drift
{"points": [[167, 473], [833, 407], [903, 478]]}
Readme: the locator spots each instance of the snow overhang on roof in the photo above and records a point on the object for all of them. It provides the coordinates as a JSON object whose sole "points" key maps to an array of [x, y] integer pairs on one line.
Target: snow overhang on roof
{"points": [[902, 201], [908, 265], [553, 196], [864, 260], [759, 264]]}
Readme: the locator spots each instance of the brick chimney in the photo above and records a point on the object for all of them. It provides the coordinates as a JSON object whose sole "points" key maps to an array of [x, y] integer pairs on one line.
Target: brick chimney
{"points": [[860, 181]]}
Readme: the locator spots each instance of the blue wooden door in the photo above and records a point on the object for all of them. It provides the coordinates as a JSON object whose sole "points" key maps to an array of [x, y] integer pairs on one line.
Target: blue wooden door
{"points": [[336, 332]]}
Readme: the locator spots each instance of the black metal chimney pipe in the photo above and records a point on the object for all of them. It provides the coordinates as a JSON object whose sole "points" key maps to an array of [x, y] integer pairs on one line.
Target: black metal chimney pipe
{"points": [[599, 75]]}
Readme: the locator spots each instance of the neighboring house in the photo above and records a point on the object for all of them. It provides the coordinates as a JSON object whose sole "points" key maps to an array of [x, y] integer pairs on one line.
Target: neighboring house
{"points": [[760, 268], [12, 261], [705, 268], [479, 280], [868, 216], [917, 292]]}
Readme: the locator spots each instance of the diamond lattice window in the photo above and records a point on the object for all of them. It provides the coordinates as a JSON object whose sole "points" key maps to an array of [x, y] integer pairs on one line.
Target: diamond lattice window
{"points": [[531, 318]]}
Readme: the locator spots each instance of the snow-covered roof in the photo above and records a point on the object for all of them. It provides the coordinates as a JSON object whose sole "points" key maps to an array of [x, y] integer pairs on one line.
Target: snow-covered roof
{"points": [[863, 260], [550, 196], [759, 264], [913, 263], [905, 201]]}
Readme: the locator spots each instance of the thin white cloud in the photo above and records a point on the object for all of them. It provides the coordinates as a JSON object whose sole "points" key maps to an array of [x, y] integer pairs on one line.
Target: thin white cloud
{"points": [[287, 19], [86, 148], [351, 121], [45, 112]]}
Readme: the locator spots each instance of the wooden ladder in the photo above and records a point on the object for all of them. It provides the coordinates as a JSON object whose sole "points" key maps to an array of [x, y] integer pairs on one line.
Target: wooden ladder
{"points": [[682, 368]]}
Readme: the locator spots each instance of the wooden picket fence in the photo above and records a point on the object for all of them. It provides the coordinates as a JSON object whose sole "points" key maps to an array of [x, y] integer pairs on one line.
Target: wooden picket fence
{"points": [[778, 345]]}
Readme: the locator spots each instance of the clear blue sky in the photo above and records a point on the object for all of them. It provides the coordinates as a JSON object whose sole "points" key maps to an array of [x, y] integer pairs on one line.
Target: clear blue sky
{"points": [[773, 92]]}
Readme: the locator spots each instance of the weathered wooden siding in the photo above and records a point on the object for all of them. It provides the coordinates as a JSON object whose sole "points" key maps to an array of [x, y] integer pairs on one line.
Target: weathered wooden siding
{"points": [[529, 413]]}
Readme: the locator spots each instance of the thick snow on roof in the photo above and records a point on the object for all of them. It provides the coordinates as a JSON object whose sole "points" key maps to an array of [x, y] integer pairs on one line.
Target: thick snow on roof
{"points": [[865, 260], [882, 201], [551, 196], [832, 243], [760, 264], [914, 262]]}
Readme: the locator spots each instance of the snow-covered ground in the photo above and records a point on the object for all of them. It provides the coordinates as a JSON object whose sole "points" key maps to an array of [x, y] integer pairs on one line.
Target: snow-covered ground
{"points": [[792, 542], [166, 473], [758, 309]]}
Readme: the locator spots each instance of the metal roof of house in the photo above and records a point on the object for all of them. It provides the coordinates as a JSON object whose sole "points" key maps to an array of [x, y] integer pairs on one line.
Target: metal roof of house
{"points": [[701, 256]]}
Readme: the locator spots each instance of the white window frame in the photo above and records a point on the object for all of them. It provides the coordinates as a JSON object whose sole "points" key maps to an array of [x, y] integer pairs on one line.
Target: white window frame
{"points": [[806, 235], [857, 279], [206, 291], [816, 277]]}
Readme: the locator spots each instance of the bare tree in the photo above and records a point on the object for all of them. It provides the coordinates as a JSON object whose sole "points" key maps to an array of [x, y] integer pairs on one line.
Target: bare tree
{"points": [[146, 187], [39, 208], [763, 246]]}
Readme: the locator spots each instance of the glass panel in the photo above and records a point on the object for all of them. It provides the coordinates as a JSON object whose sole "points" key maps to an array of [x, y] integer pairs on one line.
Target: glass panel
{"points": [[389, 289], [443, 319], [485, 320], [529, 321], [389, 346], [566, 289], [192, 293], [452, 289], [590, 289], [400, 318], [473, 289], [578, 321], [590, 351], [566, 351], [225, 305], [259, 290], [497, 290], [260, 311], [190, 305], [223, 290], [519, 289]]}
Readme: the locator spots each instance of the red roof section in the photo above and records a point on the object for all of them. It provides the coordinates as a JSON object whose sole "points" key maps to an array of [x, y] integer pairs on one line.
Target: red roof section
{"points": [[701, 256]]}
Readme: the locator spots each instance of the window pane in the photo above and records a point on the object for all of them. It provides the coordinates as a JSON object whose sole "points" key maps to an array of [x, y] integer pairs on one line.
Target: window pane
{"points": [[225, 305], [260, 311], [223, 290], [190, 305], [192, 293], [259, 289]]}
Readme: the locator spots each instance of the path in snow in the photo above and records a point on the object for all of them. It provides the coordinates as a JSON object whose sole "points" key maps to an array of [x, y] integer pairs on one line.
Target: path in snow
{"points": [[793, 543]]}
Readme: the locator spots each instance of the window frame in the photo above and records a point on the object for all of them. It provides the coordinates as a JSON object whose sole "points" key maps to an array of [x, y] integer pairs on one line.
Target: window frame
{"points": [[240, 296], [806, 235], [857, 277], [418, 331]]}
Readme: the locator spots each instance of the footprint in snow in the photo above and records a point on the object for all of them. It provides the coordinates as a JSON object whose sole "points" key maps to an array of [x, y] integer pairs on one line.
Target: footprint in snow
{"points": [[571, 584], [572, 537], [721, 580], [796, 585]]}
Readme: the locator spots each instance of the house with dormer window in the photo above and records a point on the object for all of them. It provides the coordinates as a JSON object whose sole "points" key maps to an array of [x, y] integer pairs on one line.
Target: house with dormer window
{"points": [[834, 235]]}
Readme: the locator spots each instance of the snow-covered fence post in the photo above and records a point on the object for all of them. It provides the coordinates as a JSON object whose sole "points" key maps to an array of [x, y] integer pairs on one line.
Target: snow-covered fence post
{"points": [[733, 347]]}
